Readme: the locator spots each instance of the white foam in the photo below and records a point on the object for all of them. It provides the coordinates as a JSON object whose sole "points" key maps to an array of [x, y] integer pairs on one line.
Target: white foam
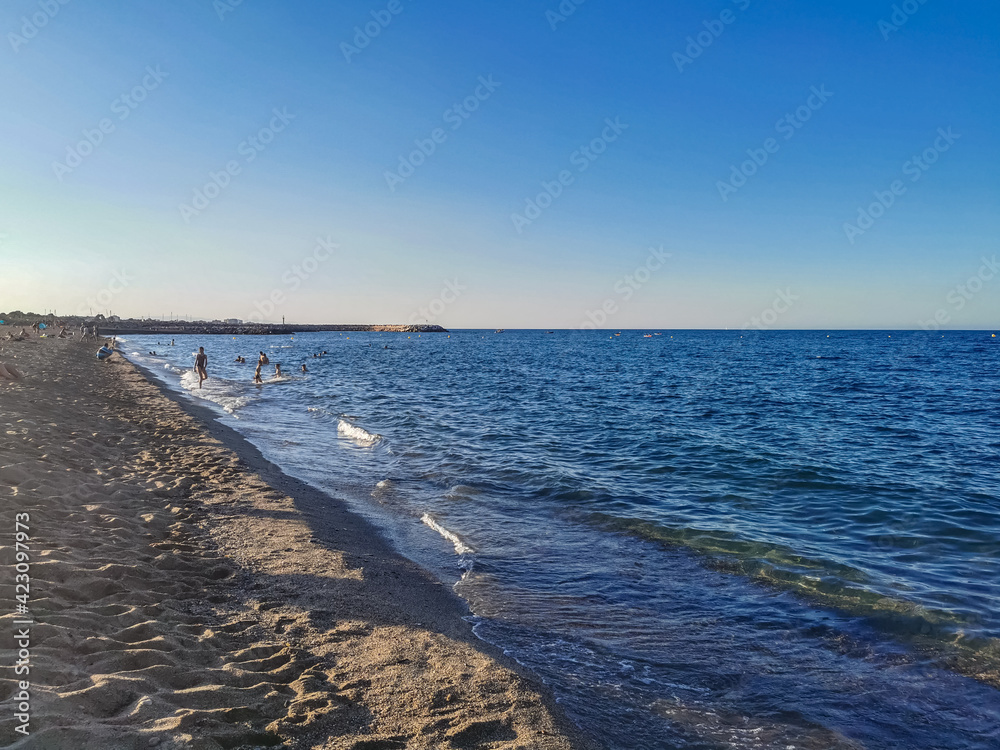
{"points": [[357, 434], [217, 390], [461, 547]]}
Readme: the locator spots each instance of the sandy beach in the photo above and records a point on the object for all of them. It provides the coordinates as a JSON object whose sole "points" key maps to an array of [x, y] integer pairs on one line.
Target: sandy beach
{"points": [[185, 593]]}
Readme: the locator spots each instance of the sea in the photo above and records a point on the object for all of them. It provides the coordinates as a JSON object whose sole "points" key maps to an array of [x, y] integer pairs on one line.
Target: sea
{"points": [[696, 539]]}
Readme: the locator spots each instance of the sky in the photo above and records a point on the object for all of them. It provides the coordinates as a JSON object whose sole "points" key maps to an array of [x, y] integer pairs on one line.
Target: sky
{"points": [[633, 164]]}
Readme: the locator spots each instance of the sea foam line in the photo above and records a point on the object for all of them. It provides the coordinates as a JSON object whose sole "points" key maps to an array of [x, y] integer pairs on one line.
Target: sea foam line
{"points": [[460, 547]]}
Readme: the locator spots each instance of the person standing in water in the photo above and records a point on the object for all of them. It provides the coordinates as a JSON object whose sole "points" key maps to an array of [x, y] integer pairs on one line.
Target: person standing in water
{"points": [[201, 366], [277, 370]]}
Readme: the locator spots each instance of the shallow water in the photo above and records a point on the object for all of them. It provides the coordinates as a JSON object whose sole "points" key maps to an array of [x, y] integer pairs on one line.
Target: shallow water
{"points": [[699, 539]]}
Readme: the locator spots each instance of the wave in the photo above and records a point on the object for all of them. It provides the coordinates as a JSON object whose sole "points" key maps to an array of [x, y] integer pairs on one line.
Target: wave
{"points": [[346, 427], [357, 434], [461, 547], [228, 394]]}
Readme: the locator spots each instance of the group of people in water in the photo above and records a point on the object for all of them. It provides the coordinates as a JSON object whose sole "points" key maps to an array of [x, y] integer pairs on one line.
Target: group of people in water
{"points": [[201, 366]]}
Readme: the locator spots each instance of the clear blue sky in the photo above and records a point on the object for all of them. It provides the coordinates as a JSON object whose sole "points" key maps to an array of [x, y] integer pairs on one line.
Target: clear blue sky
{"points": [[220, 71]]}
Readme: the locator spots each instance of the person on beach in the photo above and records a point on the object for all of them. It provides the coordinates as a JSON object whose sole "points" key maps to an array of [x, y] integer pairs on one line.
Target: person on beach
{"points": [[9, 372], [201, 366]]}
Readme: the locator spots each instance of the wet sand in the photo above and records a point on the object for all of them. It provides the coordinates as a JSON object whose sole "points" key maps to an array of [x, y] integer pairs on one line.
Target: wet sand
{"points": [[188, 594]]}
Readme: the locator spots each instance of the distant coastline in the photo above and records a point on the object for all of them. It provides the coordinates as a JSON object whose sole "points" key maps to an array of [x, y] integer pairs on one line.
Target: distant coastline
{"points": [[248, 329], [115, 326]]}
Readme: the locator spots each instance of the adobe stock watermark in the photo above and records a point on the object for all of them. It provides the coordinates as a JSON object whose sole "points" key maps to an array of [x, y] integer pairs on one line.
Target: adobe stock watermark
{"points": [[122, 106], [455, 116], [625, 288], [787, 127], [224, 7], [914, 168], [714, 28], [31, 25], [292, 280], [117, 284], [562, 13], [582, 158], [962, 293], [363, 35], [783, 301], [436, 307], [901, 13], [249, 149]]}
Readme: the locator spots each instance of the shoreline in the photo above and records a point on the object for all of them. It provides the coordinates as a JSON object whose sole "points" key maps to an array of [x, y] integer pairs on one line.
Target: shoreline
{"points": [[331, 515], [189, 594]]}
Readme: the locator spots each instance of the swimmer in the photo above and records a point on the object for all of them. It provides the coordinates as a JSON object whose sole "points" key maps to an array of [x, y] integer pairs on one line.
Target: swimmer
{"points": [[304, 367], [277, 370], [263, 359]]}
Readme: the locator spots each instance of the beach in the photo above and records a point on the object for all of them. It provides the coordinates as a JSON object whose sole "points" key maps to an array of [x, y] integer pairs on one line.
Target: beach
{"points": [[185, 593]]}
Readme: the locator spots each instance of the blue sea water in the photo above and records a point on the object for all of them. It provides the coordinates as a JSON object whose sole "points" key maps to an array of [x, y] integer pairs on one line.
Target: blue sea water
{"points": [[699, 539]]}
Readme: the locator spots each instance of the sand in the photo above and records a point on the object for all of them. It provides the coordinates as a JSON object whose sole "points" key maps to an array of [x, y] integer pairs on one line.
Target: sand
{"points": [[187, 594]]}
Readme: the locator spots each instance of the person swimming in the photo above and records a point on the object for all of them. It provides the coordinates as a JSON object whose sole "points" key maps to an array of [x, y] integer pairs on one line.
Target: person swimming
{"points": [[277, 370], [263, 359], [304, 367]]}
